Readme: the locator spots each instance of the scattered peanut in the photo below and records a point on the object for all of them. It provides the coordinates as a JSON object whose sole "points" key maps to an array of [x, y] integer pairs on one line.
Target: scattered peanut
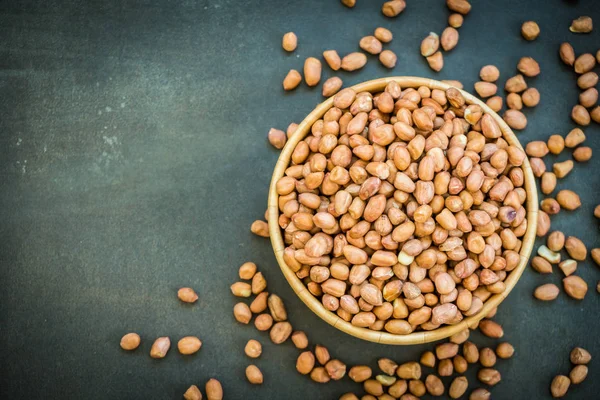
{"points": [[485, 89], [192, 393], [574, 138], [568, 199], [289, 41], [312, 71], [568, 267], [189, 345], [160, 347], [332, 59], [575, 287], [576, 248], [567, 54], [531, 97], [277, 138], [254, 375], [242, 313], [384, 35], [449, 38], [430, 44], [546, 292], [580, 356], [559, 386], [514, 101], [460, 6], [300, 340], [214, 390], [260, 228], [331, 86], [489, 73], [436, 61], [393, 8], [530, 30], [578, 374], [562, 169], [353, 61], [247, 270], [253, 348], [187, 295], [489, 376], [388, 58], [370, 44], [528, 67], [582, 154], [505, 350], [455, 20], [491, 329], [584, 63], [582, 25], [130, 341]]}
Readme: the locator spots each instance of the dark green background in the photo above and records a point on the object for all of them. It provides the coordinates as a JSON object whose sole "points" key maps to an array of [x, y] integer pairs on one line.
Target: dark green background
{"points": [[133, 159]]}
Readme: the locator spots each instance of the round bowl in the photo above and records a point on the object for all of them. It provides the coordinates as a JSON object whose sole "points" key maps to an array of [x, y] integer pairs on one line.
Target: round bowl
{"points": [[417, 337]]}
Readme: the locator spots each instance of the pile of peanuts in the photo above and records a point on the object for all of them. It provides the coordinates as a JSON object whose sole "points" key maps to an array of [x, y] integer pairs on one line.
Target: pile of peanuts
{"points": [[404, 209], [560, 384], [395, 380]]}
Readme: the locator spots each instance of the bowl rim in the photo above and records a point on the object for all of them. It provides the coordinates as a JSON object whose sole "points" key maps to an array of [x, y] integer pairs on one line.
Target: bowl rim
{"points": [[383, 337]]}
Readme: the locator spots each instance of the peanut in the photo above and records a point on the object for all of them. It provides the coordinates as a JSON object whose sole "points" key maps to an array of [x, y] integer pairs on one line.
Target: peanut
{"points": [[596, 252], [187, 295], [580, 356], [436, 61], [263, 322], [582, 25], [505, 350], [353, 61], [578, 374], [568, 199], [192, 393], [489, 73], [305, 362], [130, 341], [449, 38], [589, 97], [360, 373], [417, 388], [247, 270], [580, 115], [434, 385], [260, 228], [242, 313], [430, 44], [312, 71], [428, 359], [587, 80], [595, 114], [349, 3], [214, 390], [460, 6], [485, 89], [387, 366], [530, 30], [393, 8], [528, 67], [384, 35], [546, 292], [555, 241], [575, 287], [548, 183], [582, 154], [331, 86], [495, 103], [487, 357], [516, 84], [559, 386], [160, 347], [556, 144], [491, 329], [515, 119], [458, 387], [300, 340], [568, 267], [584, 63], [370, 44], [549, 256], [455, 20], [480, 394], [254, 375], [576, 248], [567, 54], [574, 138], [292, 80], [332, 59], [335, 369], [189, 345], [280, 332], [289, 41], [562, 169], [277, 308], [388, 58], [489, 376], [514, 101], [531, 97]]}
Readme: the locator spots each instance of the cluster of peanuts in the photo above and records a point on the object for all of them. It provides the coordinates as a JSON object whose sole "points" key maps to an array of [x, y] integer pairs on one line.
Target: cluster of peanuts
{"points": [[449, 38], [395, 380], [187, 346], [580, 357], [404, 209]]}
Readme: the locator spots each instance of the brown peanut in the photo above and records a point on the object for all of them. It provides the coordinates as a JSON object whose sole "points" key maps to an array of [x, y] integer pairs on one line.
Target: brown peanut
{"points": [[460, 6], [292, 80], [160, 347], [582, 25], [370, 44], [312, 71], [580, 356], [192, 393], [254, 375], [332, 59], [393, 8], [331, 86], [388, 58], [449, 38], [530, 30], [578, 374], [546, 292], [187, 295], [384, 35], [505, 350], [582, 154], [241, 289], [130, 341], [567, 54], [214, 390], [575, 287], [559, 386], [289, 41], [247, 270], [436, 61], [353, 61], [568, 199], [455, 20]]}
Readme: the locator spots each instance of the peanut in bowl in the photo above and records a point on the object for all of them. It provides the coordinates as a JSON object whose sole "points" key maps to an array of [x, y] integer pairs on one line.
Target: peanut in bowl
{"points": [[402, 210]]}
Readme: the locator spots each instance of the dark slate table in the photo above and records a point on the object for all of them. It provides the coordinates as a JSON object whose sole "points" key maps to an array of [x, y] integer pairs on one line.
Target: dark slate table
{"points": [[133, 159]]}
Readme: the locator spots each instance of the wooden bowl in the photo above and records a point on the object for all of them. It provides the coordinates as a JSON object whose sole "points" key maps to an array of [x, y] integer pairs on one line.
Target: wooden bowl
{"points": [[417, 337]]}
